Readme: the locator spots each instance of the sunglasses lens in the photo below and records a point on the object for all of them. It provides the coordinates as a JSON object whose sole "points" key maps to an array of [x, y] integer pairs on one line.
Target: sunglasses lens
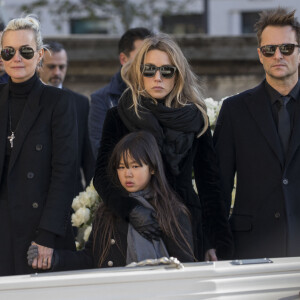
{"points": [[148, 70], [268, 50], [27, 52], [7, 53], [287, 49], [167, 71]]}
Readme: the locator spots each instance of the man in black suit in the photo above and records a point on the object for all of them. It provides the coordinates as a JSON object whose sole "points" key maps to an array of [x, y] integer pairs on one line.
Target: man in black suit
{"points": [[257, 137], [53, 72]]}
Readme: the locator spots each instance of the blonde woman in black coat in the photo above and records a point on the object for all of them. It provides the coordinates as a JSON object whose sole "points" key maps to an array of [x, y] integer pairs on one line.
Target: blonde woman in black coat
{"points": [[164, 98], [37, 154]]}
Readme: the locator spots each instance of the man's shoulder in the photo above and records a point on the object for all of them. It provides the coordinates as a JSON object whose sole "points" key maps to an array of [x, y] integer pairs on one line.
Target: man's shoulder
{"points": [[102, 92], [238, 98], [76, 95]]}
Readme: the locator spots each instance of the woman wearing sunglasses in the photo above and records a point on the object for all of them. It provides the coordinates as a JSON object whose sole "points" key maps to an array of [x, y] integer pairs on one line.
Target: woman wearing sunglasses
{"points": [[164, 98], [37, 154]]}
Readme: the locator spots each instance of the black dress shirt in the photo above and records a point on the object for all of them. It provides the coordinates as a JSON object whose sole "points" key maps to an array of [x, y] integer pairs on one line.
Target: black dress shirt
{"points": [[275, 104]]}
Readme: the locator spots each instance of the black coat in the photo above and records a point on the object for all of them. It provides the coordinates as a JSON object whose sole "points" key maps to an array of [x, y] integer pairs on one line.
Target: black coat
{"points": [[266, 215], [209, 222], [86, 161], [41, 172], [89, 258]]}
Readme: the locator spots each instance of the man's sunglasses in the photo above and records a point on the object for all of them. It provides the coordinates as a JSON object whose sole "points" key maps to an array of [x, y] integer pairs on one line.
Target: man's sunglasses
{"points": [[9, 52], [285, 49], [165, 71]]}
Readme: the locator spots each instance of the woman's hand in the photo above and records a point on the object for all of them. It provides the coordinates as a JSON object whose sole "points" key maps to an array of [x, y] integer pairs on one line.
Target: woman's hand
{"points": [[210, 255], [144, 222], [44, 257]]}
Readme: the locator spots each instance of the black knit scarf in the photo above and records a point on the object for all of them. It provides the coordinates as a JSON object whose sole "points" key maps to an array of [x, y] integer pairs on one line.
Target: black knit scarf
{"points": [[173, 128]]}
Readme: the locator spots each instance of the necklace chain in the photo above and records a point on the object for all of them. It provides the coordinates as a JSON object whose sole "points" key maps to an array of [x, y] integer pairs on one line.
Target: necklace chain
{"points": [[12, 136]]}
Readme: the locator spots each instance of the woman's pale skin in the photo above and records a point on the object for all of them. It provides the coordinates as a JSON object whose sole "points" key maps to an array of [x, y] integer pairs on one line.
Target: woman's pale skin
{"points": [[158, 87], [19, 68]]}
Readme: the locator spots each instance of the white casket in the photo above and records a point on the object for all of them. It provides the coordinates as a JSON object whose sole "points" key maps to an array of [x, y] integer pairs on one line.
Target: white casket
{"points": [[220, 280]]}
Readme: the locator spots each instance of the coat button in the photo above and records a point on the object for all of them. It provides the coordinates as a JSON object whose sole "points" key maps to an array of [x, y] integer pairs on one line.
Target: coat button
{"points": [[277, 215], [112, 241], [30, 175], [285, 181], [35, 205], [110, 263], [38, 147]]}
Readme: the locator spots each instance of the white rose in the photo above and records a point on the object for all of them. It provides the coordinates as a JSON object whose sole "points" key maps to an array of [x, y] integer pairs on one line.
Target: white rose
{"points": [[81, 216], [210, 103], [76, 203], [87, 233], [212, 115]]}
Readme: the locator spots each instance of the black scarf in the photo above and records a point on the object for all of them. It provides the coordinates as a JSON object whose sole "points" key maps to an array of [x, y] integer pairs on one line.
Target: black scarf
{"points": [[173, 128]]}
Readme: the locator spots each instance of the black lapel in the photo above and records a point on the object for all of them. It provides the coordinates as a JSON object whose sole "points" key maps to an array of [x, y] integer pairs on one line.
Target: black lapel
{"points": [[260, 108], [295, 135], [3, 124], [29, 115]]}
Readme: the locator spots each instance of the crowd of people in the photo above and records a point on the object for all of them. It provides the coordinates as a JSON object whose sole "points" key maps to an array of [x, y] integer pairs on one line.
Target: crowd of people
{"points": [[143, 138]]}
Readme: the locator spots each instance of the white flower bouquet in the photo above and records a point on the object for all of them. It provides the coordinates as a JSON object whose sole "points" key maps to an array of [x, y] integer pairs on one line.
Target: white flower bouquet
{"points": [[85, 206], [213, 109]]}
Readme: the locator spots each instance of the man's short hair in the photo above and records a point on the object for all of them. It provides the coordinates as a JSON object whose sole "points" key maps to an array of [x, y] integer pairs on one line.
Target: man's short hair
{"points": [[54, 47], [126, 43], [278, 17]]}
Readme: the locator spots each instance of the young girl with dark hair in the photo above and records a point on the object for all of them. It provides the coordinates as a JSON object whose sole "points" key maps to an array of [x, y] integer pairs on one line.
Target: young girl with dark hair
{"points": [[136, 168]]}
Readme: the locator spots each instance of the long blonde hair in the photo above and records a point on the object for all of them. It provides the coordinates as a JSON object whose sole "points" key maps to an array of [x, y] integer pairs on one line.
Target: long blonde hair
{"points": [[186, 89]]}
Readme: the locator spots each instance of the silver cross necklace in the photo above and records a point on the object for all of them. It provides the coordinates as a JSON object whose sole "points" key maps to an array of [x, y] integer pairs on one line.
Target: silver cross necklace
{"points": [[12, 136]]}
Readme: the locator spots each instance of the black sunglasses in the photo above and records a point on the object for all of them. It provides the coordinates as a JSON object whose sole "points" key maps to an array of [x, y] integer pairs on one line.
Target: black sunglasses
{"points": [[165, 71], [285, 49], [9, 52]]}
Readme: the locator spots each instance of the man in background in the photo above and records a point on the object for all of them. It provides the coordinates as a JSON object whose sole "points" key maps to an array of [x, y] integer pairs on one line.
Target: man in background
{"points": [[108, 96], [53, 72]]}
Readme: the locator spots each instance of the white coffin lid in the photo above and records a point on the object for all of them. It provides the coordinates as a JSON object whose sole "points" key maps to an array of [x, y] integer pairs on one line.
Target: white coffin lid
{"points": [[220, 280]]}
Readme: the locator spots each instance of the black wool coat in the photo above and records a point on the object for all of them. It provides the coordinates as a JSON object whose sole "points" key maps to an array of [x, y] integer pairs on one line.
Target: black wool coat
{"points": [[209, 222], [41, 172], [90, 255], [266, 214], [86, 160]]}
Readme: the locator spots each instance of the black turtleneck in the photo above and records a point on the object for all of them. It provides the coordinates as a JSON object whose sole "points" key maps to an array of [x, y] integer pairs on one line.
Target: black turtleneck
{"points": [[18, 96]]}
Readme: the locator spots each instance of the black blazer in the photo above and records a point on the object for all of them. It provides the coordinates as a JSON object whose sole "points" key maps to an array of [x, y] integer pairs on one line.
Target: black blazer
{"points": [[209, 222], [266, 215], [42, 169], [86, 161]]}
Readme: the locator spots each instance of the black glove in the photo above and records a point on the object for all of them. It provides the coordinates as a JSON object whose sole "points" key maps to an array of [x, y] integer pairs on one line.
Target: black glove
{"points": [[32, 253], [144, 222]]}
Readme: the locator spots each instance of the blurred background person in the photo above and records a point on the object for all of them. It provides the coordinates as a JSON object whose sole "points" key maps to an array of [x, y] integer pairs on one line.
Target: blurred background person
{"points": [[108, 96], [52, 72]]}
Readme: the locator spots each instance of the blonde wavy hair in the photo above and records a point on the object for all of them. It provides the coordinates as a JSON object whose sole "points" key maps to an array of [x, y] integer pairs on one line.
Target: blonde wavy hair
{"points": [[186, 88]]}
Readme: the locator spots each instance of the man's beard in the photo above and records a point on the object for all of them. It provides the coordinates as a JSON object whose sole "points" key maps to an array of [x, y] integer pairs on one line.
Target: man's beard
{"points": [[55, 81]]}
